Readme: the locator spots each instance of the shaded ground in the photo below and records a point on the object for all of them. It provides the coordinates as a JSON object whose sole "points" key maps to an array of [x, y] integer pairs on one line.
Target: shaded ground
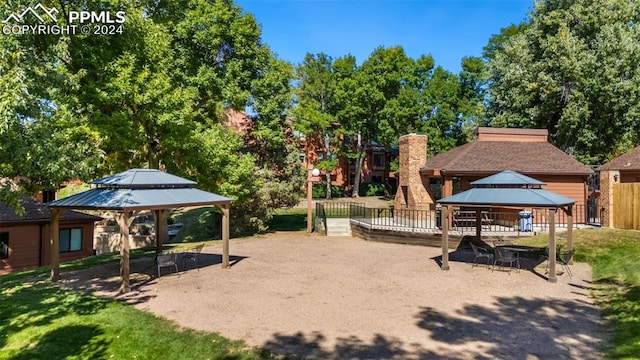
{"points": [[337, 298]]}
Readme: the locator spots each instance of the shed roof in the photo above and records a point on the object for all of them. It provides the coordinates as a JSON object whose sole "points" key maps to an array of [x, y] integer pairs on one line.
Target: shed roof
{"points": [[629, 161], [35, 211], [486, 157]]}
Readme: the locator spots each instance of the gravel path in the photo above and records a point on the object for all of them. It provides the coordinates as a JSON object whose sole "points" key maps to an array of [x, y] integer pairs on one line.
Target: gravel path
{"points": [[345, 298]]}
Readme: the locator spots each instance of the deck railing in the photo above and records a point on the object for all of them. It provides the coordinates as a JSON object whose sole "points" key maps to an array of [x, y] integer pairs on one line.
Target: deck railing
{"points": [[538, 219]]}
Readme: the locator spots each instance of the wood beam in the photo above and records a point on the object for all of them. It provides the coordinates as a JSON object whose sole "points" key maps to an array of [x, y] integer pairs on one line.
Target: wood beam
{"points": [[161, 229], [124, 220], [570, 231], [478, 223], [225, 235], [552, 246], [445, 237]]}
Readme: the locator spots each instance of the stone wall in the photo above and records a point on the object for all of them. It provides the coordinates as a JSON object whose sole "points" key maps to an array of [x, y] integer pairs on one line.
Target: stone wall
{"points": [[366, 232], [607, 180], [412, 192]]}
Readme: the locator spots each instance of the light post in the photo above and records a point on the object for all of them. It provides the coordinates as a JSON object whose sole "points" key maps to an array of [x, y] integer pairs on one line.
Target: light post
{"points": [[312, 176]]}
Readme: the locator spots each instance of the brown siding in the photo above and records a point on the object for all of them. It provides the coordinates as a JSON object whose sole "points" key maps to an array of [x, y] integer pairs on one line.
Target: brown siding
{"points": [[511, 134], [629, 177], [570, 186], [24, 245]]}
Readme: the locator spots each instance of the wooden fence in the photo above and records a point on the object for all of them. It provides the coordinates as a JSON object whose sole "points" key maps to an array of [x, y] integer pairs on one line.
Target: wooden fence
{"points": [[626, 206]]}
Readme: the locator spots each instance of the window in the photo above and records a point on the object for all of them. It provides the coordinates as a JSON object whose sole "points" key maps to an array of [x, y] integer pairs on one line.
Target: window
{"points": [[70, 240], [4, 245], [378, 160]]}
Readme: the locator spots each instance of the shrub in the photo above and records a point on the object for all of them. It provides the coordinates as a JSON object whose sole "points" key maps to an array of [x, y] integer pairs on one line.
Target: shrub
{"points": [[373, 189], [319, 191]]}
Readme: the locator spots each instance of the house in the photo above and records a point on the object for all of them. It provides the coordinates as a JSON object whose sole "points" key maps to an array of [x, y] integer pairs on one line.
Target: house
{"points": [[25, 239], [376, 166], [624, 169], [423, 181]]}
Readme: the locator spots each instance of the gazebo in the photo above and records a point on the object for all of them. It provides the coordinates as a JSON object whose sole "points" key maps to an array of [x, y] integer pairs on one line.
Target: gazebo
{"points": [[509, 189], [130, 192]]}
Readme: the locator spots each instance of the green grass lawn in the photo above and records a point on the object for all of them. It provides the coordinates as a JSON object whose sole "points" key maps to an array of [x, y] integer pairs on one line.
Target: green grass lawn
{"points": [[41, 321], [615, 259]]}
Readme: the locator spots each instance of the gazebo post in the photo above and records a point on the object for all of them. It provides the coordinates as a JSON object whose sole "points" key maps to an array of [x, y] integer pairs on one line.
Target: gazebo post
{"points": [[124, 222], [445, 237], [552, 245], [225, 235], [159, 216], [570, 230], [478, 223], [56, 213]]}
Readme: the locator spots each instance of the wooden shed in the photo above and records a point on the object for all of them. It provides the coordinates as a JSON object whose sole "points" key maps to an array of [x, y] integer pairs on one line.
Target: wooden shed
{"points": [[619, 189], [24, 239]]}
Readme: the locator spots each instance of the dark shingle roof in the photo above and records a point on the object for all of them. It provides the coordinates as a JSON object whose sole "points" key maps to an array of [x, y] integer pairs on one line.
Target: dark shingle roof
{"points": [[627, 161], [496, 156], [35, 211]]}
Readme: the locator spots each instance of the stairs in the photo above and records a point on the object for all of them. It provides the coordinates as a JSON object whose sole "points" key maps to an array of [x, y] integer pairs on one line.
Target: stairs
{"points": [[338, 227]]}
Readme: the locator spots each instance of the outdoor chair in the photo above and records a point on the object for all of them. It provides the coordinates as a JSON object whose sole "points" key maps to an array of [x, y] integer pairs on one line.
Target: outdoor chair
{"points": [[504, 256], [480, 253], [193, 255], [563, 258], [166, 260]]}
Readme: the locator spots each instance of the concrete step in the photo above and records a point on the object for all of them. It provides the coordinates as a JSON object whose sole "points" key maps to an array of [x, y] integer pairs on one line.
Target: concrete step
{"points": [[338, 227]]}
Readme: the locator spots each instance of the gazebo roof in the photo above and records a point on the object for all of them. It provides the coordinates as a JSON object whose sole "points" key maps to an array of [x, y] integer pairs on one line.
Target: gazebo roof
{"points": [[143, 178], [507, 178], [498, 189], [519, 197], [140, 189], [138, 199]]}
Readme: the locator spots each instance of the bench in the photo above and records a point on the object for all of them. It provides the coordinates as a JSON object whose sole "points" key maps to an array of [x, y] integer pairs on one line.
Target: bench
{"points": [[468, 219]]}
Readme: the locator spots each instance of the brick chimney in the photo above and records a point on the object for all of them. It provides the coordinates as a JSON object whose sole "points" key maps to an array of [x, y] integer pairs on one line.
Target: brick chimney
{"points": [[412, 191]]}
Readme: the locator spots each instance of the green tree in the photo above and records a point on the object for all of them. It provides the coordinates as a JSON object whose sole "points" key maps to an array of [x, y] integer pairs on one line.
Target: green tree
{"points": [[573, 69], [314, 111], [154, 96]]}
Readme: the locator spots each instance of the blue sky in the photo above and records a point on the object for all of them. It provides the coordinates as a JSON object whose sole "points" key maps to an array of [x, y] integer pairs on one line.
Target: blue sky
{"points": [[448, 30]]}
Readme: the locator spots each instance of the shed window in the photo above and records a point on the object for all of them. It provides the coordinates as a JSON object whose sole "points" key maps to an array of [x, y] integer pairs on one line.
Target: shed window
{"points": [[70, 240], [4, 245]]}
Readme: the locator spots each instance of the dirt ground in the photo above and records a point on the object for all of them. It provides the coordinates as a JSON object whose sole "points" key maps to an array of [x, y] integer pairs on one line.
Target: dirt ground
{"points": [[345, 298]]}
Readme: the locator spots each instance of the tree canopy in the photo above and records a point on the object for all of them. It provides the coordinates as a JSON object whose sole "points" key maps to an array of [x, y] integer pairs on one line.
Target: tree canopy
{"points": [[155, 96], [573, 68]]}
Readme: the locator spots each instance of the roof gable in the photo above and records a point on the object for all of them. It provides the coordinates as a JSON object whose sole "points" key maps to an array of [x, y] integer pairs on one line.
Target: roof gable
{"points": [[495, 156], [627, 161]]}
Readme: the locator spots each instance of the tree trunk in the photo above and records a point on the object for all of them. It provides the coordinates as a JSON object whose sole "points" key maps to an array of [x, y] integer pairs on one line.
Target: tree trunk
{"points": [[356, 180], [327, 147]]}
